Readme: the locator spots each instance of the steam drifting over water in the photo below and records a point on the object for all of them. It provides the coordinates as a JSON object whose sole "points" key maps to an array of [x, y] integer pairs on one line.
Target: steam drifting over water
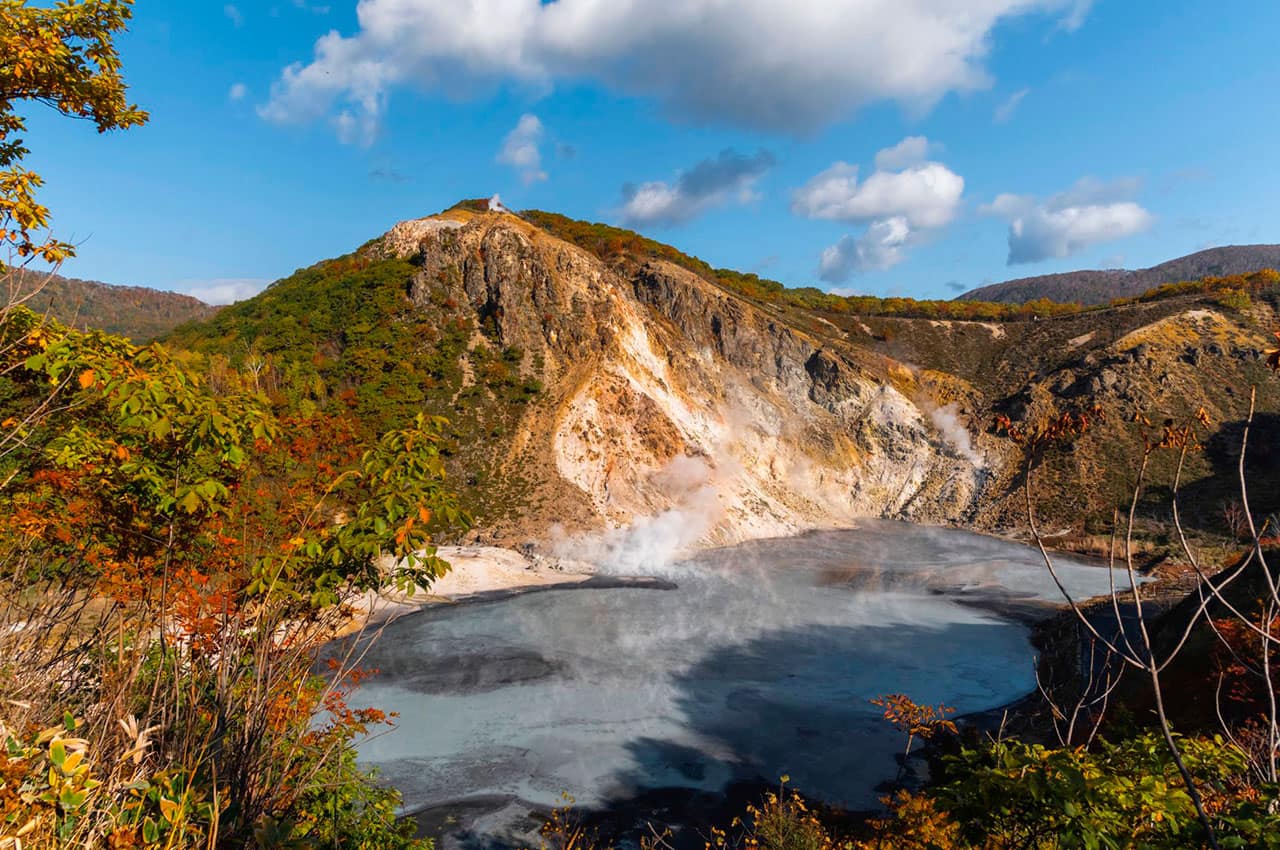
{"points": [[761, 663]]}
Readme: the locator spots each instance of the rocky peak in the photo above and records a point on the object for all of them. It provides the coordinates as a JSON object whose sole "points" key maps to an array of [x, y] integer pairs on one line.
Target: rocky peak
{"points": [[653, 374]]}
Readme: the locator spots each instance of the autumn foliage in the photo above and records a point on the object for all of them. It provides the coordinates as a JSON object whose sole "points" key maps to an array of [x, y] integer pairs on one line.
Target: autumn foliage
{"points": [[173, 563]]}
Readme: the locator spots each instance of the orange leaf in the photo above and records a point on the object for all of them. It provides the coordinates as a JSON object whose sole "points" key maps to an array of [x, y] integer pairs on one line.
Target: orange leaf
{"points": [[86, 379]]}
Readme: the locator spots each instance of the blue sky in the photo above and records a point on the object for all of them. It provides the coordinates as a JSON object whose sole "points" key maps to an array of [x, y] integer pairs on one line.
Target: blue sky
{"points": [[1057, 133]]}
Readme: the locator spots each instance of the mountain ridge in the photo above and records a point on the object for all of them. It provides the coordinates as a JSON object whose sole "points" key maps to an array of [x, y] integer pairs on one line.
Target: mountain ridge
{"points": [[1101, 286], [138, 312], [621, 394]]}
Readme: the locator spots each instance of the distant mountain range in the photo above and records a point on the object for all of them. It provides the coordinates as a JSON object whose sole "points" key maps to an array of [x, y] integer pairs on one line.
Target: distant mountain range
{"points": [[137, 312], [1100, 287]]}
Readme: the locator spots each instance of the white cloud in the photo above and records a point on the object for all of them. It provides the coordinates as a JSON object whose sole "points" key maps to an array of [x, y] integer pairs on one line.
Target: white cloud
{"points": [[1074, 18], [222, 290], [729, 177], [926, 195], [793, 68], [234, 14], [520, 149], [879, 248], [912, 150], [1089, 213], [1060, 233], [896, 204], [237, 92], [1008, 106]]}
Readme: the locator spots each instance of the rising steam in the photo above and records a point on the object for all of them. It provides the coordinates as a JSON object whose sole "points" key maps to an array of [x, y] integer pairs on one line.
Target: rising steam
{"points": [[947, 421]]}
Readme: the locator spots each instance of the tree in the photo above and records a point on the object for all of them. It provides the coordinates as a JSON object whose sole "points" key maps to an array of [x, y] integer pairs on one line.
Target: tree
{"points": [[63, 57], [1248, 632], [171, 566]]}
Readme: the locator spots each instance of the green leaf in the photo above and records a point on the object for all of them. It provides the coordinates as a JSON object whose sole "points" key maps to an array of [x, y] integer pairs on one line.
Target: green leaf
{"points": [[70, 799], [190, 503]]}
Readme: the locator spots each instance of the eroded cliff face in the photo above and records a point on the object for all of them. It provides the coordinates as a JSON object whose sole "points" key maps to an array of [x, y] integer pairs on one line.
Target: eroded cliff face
{"points": [[672, 404]]}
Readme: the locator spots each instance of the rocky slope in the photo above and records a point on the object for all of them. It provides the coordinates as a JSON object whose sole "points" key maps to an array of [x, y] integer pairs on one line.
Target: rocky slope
{"points": [[676, 409], [620, 398], [1100, 287]]}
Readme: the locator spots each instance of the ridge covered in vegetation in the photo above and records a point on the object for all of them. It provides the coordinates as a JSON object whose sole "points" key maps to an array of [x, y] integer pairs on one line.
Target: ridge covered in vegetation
{"points": [[137, 312], [344, 338], [615, 244], [1103, 286]]}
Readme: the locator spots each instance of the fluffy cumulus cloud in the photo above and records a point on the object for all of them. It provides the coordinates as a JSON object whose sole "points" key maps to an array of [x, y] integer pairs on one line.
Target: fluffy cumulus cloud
{"points": [[792, 67], [880, 247], [910, 151], [521, 149], [926, 194], [904, 197], [728, 178], [1089, 213]]}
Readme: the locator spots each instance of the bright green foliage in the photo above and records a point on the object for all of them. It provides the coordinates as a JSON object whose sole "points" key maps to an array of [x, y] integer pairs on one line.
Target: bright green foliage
{"points": [[344, 340], [347, 808], [153, 455], [219, 549], [1124, 795], [341, 337], [396, 491]]}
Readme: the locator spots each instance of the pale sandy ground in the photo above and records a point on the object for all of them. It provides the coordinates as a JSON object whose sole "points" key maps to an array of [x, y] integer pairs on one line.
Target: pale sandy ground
{"points": [[477, 570]]}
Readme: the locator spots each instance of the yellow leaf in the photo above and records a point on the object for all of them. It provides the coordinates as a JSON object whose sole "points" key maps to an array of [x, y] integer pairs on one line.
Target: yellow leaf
{"points": [[72, 761]]}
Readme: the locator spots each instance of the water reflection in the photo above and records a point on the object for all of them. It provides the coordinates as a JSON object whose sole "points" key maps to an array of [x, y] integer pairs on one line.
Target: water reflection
{"points": [[762, 662]]}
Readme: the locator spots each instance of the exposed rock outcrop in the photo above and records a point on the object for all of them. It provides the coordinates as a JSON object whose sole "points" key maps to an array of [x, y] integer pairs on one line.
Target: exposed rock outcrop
{"points": [[664, 393]]}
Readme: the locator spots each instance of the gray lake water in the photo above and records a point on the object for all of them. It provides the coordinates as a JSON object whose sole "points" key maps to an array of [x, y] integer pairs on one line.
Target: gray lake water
{"points": [[761, 663]]}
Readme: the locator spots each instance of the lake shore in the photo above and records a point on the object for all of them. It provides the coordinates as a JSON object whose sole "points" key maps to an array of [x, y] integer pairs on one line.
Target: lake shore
{"points": [[478, 572]]}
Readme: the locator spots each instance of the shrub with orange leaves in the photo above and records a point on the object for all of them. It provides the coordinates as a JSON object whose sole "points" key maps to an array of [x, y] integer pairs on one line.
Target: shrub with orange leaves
{"points": [[167, 557], [914, 720]]}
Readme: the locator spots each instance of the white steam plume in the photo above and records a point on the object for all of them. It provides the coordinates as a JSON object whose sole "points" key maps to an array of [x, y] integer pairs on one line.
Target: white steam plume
{"points": [[651, 545], [947, 421]]}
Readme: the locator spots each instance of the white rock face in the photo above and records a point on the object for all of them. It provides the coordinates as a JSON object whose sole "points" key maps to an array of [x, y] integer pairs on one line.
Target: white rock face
{"points": [[407, 237], [681, 414]]}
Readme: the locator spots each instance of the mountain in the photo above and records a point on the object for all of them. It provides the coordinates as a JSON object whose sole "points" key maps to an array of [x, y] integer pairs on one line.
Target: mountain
{"points": [[1101, 287], [137, 312], [598, 382]]}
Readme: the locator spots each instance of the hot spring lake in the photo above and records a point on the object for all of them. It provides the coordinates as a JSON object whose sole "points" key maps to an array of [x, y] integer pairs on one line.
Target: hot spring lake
{"points": [[760, 663]]}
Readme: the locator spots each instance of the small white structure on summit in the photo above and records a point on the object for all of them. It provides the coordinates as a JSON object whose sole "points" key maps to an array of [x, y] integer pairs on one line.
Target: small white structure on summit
{"points": [[495, 204]]}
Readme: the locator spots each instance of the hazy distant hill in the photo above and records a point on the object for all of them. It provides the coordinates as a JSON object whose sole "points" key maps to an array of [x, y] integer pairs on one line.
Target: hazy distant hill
{"points": [[1100, 287], [134, 311]]}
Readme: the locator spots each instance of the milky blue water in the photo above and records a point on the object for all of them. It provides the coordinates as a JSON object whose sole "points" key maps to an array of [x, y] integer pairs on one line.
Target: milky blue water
{"points": [[761, 663]]}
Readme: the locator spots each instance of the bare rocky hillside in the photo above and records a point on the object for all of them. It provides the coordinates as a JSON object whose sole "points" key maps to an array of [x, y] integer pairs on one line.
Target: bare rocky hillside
{"points": [[624, 395]]}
